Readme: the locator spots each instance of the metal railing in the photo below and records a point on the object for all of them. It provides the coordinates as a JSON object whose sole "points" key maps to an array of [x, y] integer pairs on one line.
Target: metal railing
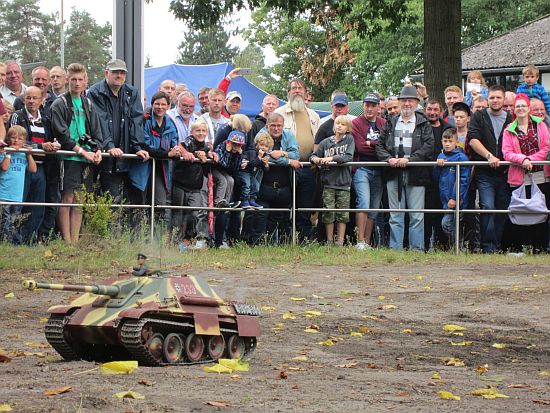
{"points": [[293, 209]]}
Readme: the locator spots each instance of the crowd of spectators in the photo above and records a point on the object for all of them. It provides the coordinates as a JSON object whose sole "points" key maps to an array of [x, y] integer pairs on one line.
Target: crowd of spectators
{"points": [[206, 154]]}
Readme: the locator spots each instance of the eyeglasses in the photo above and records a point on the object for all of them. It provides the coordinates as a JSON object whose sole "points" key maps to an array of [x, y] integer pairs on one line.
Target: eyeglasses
{"points": [[187, 106], [521, 106]]}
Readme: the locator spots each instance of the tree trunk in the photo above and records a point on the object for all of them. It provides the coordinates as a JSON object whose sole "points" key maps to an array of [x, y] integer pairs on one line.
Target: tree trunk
{"points": [[442, 51]]}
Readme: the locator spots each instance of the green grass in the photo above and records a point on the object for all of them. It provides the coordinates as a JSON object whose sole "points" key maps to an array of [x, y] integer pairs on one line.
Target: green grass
{"points": [[100, 254]]}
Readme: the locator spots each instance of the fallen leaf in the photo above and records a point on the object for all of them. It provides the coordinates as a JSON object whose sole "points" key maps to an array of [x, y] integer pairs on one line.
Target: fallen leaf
{"points": [[311, 330], [295, 369], [217, 368], [482, 369], [9, 295], [427, 287], [345, 292], [518, 386], [372, 366], [312, 313], [7, 408], [118, 367], [218, 403], [402, 394], [355, 334], [234, 364], [48, 254], [281, 375], [288, 316], [387, 307], [496, 379], [296, 285], [489, 393], [59, 390], [300, 358], [544, 402], [364, 330], [447, 395], [407, 330], [462, 343], [451, 361], [267, 308], [419, 277], [453, 327], [347, 365], [297, 298], [4, 359], [128, 395], [313, 326], [544, 373], [458, 334], [499, 345], [279, 325], [218, 264], [146, 382], [436, 376], [43, 319], [328, 342], [381, 297], [235, 377]]}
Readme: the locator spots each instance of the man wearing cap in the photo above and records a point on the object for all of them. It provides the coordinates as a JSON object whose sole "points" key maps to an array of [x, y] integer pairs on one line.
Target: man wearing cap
{"points": [[121, 117], [367, 180], [304, 123], [405, 138], [339, 106], [232, 103]]}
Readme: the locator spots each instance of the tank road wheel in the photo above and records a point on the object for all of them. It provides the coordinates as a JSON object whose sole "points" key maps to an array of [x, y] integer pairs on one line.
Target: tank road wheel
{"points": [[172, 348], [155, 345], [236, 347], [194, 347], [216, 347]]}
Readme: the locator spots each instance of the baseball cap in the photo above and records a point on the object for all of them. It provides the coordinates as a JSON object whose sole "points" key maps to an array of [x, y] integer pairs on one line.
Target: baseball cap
{"points": [[461, 106], [237, 137], [116, 64], [340, 100], [371, 98], [234, 94]]}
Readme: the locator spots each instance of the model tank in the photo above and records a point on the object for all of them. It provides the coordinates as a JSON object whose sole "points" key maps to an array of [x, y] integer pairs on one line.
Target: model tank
{"points": [[154, 317]]}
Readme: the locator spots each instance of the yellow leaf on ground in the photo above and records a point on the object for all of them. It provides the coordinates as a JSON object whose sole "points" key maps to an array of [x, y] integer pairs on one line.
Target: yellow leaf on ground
{"points": [[436, 376], [427, 287], [59, 390], [544, 373], [311, 330], [482, 369], [288, 316], [387, 307], [48, 254], [9, 295], [328, 342], [5, 408], [218, 403], [118, 367], [267, 308], [419, 277], [407, 330], [279, 325], [296, 285], [128, 395], [381, 297], [453, 327], [297, 298], [451, 361], [43, 319], [312, 313], [345, 292], [300, 358], [489, 393], [447, 395], [234, 364], [462, 343], [499, 345], [364, 330], [355, 334], [458, 334], [217, 368]]}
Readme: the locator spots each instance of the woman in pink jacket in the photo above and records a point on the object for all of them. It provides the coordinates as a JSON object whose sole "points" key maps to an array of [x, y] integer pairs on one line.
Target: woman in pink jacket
{"points": [[526, 140]]}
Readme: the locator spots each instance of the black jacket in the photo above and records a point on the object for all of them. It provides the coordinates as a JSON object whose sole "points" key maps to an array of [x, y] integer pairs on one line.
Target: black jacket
{"points": [[481, 128], [189, 175], [62, 115], [422, 150], [131, 125], [20, 118]]}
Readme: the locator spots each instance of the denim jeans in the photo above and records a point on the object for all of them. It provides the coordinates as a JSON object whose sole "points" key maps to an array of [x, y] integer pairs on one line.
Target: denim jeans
{"points": [[10, 220], [412, 197], [448, 226], [494, 193], [249, 185], [305, 198], [35, 191], [367, 183]]}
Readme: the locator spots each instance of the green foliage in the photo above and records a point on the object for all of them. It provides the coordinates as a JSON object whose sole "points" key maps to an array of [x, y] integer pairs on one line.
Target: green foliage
{"points": [[253, 57], [98, 213], [203, 47]]}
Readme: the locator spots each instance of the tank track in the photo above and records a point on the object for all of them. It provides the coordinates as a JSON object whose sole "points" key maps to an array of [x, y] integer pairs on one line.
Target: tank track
{"points": [[131, 339], [55, 336]]}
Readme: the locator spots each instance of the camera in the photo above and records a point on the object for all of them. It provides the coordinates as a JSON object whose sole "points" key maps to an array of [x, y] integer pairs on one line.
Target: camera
{"points": [[86, 140]]}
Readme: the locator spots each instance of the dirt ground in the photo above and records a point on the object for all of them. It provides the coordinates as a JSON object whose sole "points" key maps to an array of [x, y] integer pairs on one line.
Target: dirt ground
{"points": [[400, 313]]}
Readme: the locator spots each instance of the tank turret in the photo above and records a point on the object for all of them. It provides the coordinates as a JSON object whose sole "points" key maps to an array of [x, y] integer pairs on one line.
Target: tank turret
{"points": [[156, 318]]}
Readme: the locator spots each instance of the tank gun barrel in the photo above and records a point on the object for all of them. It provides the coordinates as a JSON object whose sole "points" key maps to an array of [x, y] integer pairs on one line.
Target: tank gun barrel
{"points": [[110, 290]]}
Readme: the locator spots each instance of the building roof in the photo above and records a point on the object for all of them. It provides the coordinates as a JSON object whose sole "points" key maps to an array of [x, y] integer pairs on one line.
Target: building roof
{"points": [[527, 44]]}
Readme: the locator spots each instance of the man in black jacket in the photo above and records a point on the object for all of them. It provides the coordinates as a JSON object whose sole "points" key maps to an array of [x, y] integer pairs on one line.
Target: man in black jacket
{"points": [[121, 118], [485, 140], [407, 137]]}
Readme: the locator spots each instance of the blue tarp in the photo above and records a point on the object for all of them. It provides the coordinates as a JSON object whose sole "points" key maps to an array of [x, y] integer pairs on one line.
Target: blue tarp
{"points": [[196, 77]]}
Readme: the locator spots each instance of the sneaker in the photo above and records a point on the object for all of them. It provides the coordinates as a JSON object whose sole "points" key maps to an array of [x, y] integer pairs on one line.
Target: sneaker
{"points": [[254, 204], [361, 246], [234, 204], [200, 244], [224, 246], [246, 205], [222, 203]]}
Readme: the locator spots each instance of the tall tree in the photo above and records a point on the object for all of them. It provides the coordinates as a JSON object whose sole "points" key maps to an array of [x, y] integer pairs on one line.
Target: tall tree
{"points": [[253, 57], [206, 46], [442, 53], [88, 43]]}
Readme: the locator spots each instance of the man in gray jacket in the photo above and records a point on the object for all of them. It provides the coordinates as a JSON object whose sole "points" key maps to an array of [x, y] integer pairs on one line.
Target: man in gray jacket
{"points": [[405, 138]]}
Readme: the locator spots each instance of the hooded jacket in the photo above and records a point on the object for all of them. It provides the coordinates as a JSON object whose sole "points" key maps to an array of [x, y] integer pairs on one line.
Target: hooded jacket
{"points": [[447, 177]]}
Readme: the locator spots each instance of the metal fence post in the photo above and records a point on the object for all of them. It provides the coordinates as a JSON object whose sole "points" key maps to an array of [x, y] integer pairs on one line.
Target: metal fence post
{"points": [[153, 200], [293, 206], [457, 211]]}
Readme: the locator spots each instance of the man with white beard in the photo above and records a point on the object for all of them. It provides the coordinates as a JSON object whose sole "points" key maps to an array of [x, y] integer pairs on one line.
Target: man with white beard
{"points": [[304, 123], [183, 116]]}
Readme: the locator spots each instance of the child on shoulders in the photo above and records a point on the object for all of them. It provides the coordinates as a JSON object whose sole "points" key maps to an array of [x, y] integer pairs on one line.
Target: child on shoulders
{"points": [[532, 88], [336, 180]]}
